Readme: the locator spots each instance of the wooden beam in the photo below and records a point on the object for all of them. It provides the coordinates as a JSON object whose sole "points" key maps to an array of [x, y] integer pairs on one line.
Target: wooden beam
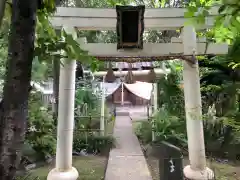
{"points": [[105, 19], [159, 49]]}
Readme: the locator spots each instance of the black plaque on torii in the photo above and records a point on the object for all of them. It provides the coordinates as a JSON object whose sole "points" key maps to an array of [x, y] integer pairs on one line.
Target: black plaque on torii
{"points": [[130, 26]]}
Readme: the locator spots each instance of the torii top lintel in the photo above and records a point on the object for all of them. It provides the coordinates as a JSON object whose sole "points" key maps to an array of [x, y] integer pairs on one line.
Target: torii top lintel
{"points": [[106, 19]]}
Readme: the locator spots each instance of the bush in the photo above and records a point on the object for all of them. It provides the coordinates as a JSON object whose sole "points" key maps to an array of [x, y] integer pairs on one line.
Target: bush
{"points": [[87, 108], [40, 133], [92, 143], [221, 134], [85, 96], [168, 128], [143, 131]]}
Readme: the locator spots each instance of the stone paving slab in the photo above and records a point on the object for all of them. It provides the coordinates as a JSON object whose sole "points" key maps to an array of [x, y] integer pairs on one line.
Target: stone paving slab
{"points": [[139, 113], [126, 161]]}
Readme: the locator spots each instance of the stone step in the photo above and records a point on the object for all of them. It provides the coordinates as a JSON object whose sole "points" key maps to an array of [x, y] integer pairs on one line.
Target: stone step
{"points": [[122, 113]]}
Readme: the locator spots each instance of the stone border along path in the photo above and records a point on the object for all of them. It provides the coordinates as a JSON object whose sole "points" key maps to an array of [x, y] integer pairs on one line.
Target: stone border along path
{"points": [[126, 161]]}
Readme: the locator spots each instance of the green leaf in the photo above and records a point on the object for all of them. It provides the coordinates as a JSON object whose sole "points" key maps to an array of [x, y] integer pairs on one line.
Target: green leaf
{"points": [[189, 14], [222, 8], [236, 65], [163, 2], [205, 13]]}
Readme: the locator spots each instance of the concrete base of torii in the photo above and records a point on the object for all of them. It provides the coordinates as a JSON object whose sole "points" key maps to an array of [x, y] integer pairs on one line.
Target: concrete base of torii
{"points": [[207, 174], [55, 174]]}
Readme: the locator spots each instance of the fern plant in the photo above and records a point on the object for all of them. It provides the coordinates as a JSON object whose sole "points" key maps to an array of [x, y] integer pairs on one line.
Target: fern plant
{"points": [[169, 128]]}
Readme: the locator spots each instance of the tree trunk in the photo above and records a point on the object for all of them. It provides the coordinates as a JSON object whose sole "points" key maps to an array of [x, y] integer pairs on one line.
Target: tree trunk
{"points": [[14, 109], [56, 73]]}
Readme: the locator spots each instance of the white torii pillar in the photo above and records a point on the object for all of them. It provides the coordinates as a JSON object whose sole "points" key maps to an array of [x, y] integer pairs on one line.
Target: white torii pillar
{"points": [[102, 120], [155, 108], [197, 170], [64, 169]]}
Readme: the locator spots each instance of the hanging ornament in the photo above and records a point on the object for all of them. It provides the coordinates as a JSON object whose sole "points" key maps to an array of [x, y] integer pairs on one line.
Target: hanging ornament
{"points": [[152, 76], [129, 78], [110, 77]]}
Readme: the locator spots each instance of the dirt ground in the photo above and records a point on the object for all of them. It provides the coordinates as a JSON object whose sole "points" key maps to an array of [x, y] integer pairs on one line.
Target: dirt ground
{"points": [[223, 170], [89, 168]]}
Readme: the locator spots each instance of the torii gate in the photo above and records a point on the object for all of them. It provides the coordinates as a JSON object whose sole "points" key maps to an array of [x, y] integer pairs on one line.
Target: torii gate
{"points": [[187, 45]]}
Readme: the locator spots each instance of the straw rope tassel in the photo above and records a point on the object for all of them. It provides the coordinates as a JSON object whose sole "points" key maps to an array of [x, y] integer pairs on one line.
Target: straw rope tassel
{"points": [[110, 77], [129, 78]]}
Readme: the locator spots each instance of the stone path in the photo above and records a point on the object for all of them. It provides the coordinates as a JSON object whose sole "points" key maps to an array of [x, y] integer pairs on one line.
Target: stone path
{"points": [[126, 161], [137, 113]]}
